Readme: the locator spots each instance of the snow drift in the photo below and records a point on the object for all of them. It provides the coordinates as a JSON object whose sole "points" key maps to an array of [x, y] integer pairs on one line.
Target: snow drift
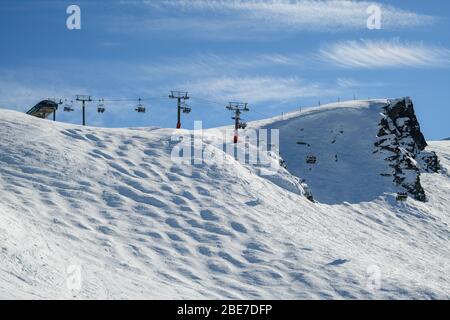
{"points": [[106, 214]]}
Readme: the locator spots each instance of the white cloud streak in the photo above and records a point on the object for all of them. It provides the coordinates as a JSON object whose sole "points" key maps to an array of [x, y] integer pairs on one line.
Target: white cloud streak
{"points": [[19, 95], [371, 54], [258, 89], [283, 15], [213, 65]]}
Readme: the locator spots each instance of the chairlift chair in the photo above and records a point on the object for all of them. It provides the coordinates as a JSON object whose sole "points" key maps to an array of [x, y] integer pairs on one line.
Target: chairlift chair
{"points": [[242, 125], [187, 110], [101, 106], [402, 196], [140, 107], [68, 107], [311, 159]]}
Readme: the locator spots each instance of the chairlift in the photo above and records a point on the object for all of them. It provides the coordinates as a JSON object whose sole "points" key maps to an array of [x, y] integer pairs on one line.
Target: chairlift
{"points": [[185, 108], [101, 106], [311, 159], [402, 196], [242, 125], [140, 107], [68, 107]]}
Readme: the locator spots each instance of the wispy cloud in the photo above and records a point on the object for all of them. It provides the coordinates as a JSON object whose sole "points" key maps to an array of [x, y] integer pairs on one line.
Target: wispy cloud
{"points": [[347, 83], [22, 95], [258, 89], [344, 83], [281, 15], [371, 54], [108, 44], [214, 65]]}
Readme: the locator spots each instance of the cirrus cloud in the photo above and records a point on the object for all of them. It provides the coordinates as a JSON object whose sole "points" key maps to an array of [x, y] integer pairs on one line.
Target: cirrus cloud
{"points": [[371, 54], [281, 15], [258, 89]]}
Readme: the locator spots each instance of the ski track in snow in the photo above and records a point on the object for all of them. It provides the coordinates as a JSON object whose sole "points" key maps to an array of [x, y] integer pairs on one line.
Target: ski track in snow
{"points": [[140, 226]]}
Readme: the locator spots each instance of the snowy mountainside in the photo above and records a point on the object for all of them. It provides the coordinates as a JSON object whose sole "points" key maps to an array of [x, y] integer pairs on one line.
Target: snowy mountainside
{"points": [[112, 203], [361, 150], [342, 138]]}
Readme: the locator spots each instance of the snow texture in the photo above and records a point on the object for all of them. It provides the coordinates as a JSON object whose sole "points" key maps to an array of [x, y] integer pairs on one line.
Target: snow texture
{"points": [[90, 213]]}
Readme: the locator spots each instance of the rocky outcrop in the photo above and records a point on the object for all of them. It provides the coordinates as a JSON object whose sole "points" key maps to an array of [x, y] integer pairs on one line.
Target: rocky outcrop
{"points": [[402, 144], [429, 162]]}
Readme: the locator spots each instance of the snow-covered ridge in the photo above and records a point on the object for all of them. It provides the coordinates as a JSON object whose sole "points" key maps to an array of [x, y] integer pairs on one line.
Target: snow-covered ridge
{"points": [[112, 204]]}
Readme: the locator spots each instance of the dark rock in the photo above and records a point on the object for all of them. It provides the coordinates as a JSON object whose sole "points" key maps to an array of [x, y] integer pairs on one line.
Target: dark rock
{"points": [[401, 109], [401, 139], [283, 163], [429, 162]]}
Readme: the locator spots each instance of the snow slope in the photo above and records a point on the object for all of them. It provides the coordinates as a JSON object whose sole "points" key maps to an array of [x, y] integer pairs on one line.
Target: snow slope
{"points": [[112, 204], [342, 138]]}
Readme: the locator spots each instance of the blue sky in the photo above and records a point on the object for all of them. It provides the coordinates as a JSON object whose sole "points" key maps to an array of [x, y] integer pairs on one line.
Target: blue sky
{"points": [[276, 55]]}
